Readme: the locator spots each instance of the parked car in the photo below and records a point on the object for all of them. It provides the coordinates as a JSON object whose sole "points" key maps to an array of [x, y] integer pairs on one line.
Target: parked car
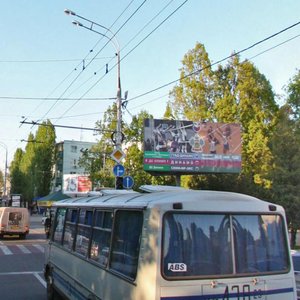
{"points": [[296, 263]]}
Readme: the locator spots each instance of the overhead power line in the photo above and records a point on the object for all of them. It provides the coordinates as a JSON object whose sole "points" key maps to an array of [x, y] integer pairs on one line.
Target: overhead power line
{"points": [[54, 99], [217, 62], [75, 79], [160, 24], [82, 60], [113, 98], [65, 126], [51, 60]]}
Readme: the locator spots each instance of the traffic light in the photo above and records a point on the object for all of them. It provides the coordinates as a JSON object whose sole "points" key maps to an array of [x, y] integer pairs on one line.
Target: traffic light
{"points": [[119, 183]]}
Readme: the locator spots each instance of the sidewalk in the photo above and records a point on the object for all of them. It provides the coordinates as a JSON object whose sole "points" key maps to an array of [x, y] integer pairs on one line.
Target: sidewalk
{"points": [[36, 218]]}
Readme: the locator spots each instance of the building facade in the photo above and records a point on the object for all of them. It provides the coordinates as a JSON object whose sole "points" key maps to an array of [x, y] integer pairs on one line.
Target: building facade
{"points": [[68, 153]]}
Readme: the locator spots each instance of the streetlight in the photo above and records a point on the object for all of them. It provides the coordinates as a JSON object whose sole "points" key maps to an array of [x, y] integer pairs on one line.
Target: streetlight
{"points": [[5, 170], [113, 39]]}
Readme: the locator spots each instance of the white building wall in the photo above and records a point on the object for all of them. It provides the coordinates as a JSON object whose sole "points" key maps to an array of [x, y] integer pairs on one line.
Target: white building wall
{"points": [[72, 154], [69, 161]]}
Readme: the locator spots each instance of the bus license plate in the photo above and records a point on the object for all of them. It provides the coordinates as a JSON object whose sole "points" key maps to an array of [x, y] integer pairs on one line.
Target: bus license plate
{"points": [[235, 291]]}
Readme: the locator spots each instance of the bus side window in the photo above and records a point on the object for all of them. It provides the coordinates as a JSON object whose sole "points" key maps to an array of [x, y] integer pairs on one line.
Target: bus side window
{"points": [[84, 231], [70, 227], [101, 237], [126, 242], [59, 225]]}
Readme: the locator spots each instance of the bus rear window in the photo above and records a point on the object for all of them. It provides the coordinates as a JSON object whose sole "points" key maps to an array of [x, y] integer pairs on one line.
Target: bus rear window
{"points": [[223, 245]]}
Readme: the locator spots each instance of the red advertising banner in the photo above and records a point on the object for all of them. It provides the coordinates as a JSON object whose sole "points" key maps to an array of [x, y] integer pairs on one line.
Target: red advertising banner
{"points": [[188, 147], [84, 184]]}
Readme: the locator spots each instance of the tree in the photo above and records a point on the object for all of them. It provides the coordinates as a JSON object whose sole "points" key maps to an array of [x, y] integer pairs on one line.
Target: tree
{"points": [[236, 92], [293, 90], [193, 97], [17, 177], [133, 144], [255, 109], [286, 167], [169, 112], [44, 158], [31, 169], [134, 166], [134, 155], [27, 168], [97, 161], [134, 132]]}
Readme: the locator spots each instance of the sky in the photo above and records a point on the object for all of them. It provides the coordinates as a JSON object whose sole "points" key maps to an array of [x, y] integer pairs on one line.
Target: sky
{"points": [[51, 69]]}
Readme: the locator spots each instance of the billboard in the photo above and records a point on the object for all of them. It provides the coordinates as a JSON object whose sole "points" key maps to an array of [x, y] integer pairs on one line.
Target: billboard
{"points": [[186, 147], [76, 184]]}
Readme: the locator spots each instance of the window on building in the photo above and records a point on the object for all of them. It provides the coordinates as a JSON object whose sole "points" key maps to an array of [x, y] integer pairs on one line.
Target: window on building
{"points": [[74, 149]]}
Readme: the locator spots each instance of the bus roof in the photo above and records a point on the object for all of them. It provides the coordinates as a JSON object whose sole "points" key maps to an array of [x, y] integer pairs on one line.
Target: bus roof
{"points": [[202, 200]]}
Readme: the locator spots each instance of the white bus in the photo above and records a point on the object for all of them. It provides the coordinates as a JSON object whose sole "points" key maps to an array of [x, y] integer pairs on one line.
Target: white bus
{"points": [[169, 244]]}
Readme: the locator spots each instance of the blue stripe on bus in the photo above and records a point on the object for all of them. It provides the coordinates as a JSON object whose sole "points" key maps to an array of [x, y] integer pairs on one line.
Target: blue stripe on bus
{"points": [[79, 295], [230, 295], [67, 286]]}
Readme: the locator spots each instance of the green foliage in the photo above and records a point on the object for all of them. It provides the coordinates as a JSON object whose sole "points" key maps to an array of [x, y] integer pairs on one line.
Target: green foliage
{"points": [[193, 97], [17, 178], [235, 93], [31, 170], [98, 164], [27, 169], [108, 124], [102, 174], [134, 132], [243, 95], [44, 158], [168, 115], [134, 166], [285, 173], [293, 90], [98, 161]]}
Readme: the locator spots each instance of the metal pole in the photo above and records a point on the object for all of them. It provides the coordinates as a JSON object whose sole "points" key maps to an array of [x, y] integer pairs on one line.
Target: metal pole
{"points": [[5, 175], [119, 107], [178, 180], [116, 44]]}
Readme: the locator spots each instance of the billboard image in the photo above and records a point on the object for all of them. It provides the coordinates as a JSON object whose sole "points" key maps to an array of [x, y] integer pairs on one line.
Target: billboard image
{"points": [[186, 147], [74, 184]]}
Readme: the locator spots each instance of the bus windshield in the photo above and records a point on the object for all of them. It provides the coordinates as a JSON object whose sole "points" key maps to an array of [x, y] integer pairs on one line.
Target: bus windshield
{"points": [[223, 244]]}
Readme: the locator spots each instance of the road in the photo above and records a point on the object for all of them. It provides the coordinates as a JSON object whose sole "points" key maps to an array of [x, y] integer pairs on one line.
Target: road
{"points": [[21, 265]]}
